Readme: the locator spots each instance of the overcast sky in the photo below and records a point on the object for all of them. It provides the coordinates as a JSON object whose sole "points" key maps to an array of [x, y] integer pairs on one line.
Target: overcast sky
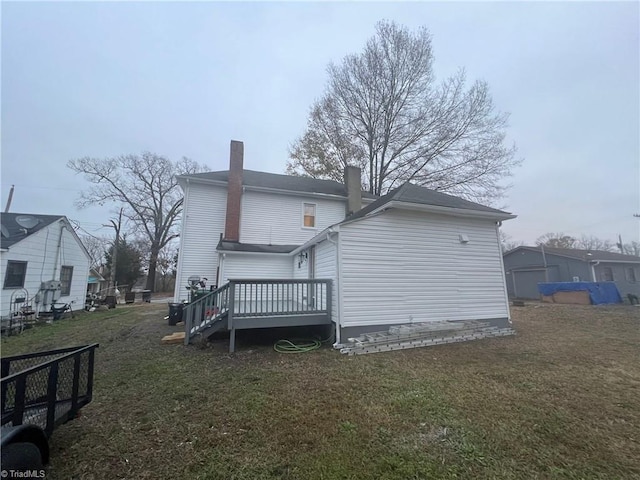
{"points": [[183, 79]]}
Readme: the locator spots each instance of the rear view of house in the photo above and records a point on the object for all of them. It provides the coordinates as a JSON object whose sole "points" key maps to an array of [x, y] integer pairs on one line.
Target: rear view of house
{"points": [[412, 257], [43, 262]]}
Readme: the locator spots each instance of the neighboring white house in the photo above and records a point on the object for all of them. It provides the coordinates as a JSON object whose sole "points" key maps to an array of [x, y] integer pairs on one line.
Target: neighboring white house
{"points": [[413, 255], [42, 260]]}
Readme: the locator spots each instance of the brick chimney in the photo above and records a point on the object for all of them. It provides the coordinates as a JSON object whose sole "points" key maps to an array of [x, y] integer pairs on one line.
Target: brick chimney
{"points": [[353, 183], [234, 192]]}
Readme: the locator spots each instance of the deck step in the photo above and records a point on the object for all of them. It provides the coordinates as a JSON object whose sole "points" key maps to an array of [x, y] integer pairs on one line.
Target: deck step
{"points": [[212, 327], [422, 335]]}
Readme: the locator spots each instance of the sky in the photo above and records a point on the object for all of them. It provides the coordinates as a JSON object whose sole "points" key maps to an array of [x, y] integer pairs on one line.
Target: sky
{"points": [[183, 79]]}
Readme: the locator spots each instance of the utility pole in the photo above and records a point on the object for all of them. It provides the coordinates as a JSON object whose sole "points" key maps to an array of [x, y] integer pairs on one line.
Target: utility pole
{"points": [[620, 245], [114, 256], [6, 209]]}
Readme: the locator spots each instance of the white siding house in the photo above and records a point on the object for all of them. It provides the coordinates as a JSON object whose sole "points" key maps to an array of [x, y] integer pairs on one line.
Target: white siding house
{"points": [[202, 224], [31, 256], [412, 256], [403, 267]]}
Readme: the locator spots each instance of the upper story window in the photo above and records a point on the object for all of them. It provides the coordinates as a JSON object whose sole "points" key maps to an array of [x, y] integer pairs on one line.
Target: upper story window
{"points": [[66, 274], [309, 215], [14, 276], [607, 274], [631, 274]]}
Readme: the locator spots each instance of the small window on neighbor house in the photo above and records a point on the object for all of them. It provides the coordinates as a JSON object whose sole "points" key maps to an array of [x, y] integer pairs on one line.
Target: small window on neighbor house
{"points": [[309, 215], [14, 276], [66, 274], [631, 274], [607, 274]]}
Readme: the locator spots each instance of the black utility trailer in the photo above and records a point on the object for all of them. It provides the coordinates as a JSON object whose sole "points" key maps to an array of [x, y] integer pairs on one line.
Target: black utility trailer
{"points": [[39, 392]]}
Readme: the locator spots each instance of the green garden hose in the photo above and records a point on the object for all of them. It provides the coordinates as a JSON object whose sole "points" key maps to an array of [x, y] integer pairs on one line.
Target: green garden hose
{"points": [[299, 345]]}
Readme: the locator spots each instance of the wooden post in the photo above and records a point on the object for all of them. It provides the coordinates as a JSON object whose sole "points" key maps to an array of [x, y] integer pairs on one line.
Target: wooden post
{"points": [[230, 327]]}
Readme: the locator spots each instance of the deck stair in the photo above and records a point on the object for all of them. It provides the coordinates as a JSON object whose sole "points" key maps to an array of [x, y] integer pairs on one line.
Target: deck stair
{"points": [[207, 314], [422, 335]]}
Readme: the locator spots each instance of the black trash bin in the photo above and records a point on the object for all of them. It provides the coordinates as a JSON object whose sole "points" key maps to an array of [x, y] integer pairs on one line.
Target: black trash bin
{"points": [[110, 300], [175, 313], [146, 296]]}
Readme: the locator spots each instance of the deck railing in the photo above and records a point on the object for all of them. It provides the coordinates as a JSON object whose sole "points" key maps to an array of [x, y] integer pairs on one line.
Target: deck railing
{"points": [[257, 303], [202, 313], [255, 298]]}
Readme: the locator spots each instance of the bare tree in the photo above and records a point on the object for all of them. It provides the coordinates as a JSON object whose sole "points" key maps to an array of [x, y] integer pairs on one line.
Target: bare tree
{"points": [[590, 242], [146, 186], [632, 248], [96, 246], [556, 240], [507, 243], [383, 111]]}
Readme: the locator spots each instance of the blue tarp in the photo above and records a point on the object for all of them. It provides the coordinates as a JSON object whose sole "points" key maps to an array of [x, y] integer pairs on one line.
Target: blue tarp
{"points": [[599, 292]]}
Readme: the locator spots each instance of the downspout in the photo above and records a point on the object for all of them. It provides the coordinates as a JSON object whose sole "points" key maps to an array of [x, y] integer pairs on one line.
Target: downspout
{"points": [[336, 301], [55, 264], [593, 270], [504, 277], [544, 261], [178, 287]]}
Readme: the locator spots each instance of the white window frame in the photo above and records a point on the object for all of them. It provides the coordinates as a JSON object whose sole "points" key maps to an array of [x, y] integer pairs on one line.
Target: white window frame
{"points": [[315, 215], [6, 274], [63, 283], [613, 277], [631, 270]]}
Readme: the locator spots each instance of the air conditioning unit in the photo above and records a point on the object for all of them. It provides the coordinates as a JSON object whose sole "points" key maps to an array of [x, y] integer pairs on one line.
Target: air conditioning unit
{"points": [[51, 285]]}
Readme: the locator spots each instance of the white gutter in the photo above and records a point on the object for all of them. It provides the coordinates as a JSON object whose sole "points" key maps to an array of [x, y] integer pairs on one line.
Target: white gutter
{"points": [[593, 270], [616, 261], [185, 202], [222, 183], [240, 252], [338, 289], [504, 278], [457, 212], [55, 264], [314, 240]]}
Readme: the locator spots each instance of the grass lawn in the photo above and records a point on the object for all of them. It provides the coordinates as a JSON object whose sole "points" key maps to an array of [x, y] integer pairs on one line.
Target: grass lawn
{"points": [[559, 400]]}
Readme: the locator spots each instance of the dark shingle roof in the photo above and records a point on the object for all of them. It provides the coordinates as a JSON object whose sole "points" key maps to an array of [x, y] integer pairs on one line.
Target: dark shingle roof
{"points": [[281, 182], [581, 254], [16, 232], [415, 194], [254, 247]]}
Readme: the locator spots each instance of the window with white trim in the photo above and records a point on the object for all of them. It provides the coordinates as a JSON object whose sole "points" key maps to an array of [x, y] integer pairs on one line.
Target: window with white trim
{"points": [[607, 274], [309, 215], [630, 273], [14, 274], [66, 274]]}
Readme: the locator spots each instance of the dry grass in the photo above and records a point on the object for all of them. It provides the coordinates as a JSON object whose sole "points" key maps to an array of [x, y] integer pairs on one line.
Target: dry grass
{"points": [[559, 400]]}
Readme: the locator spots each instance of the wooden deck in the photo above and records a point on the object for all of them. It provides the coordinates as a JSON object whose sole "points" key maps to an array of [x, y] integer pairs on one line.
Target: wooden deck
{"points": [[247, 304]]}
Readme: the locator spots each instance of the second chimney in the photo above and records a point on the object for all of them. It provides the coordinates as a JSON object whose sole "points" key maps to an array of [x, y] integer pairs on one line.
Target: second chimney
{"points": [[353, 183], [234, 192]]}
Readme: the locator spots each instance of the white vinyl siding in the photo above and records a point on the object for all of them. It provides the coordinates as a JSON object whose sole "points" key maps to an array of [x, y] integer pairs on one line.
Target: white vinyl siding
{"points": [[300, 269], [402, 267], [203, 222], [238, 266], [39, 251], [277, 219], [326, 270]]}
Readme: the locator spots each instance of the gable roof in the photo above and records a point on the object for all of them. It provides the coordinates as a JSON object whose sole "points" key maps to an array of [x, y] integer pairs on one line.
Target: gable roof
{"points": [[16, 233], [276, 181], [581, 254], [409, 193]]}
